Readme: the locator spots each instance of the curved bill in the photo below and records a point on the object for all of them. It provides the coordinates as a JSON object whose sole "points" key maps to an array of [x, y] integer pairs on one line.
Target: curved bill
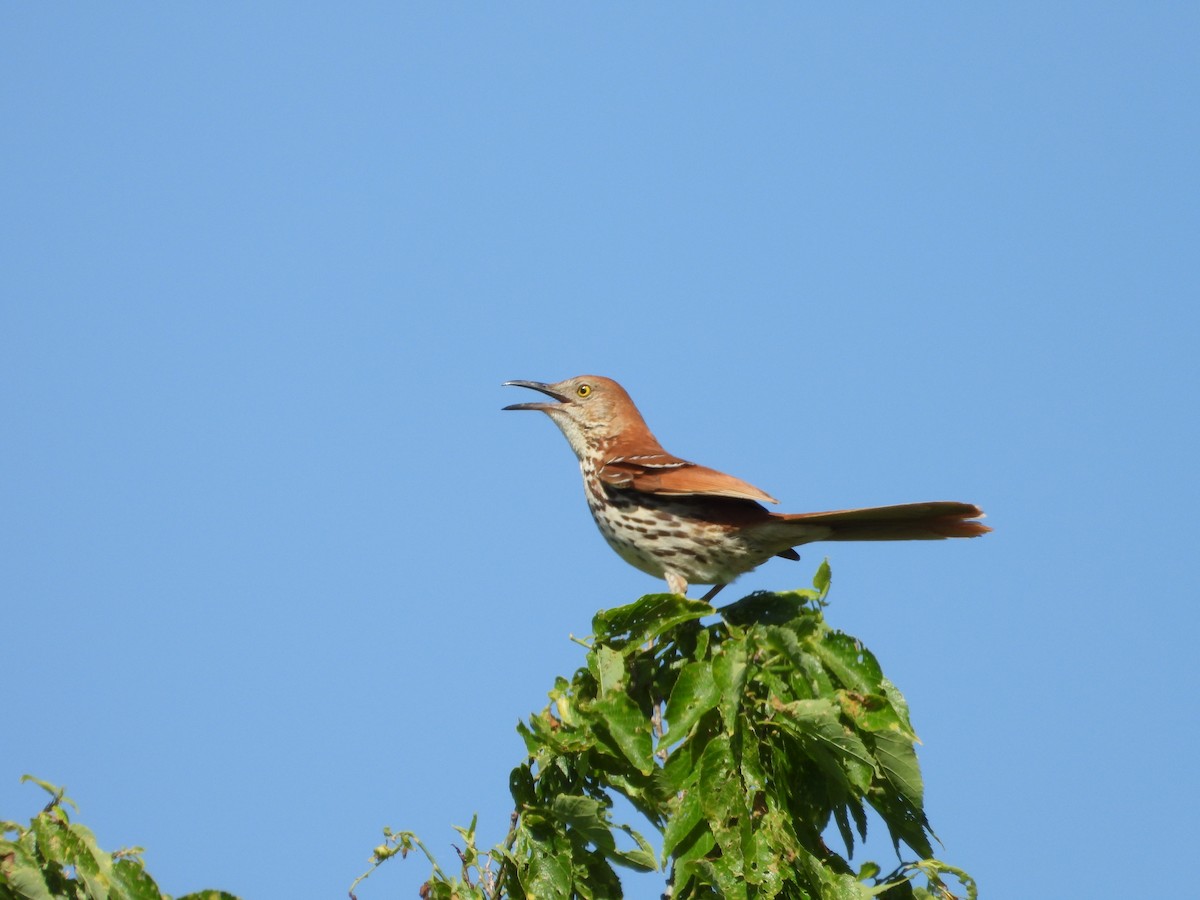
{"points": [[546, 389]]}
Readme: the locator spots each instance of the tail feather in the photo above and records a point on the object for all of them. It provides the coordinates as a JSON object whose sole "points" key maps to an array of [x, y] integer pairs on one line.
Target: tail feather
{"points": [[905, 522]]}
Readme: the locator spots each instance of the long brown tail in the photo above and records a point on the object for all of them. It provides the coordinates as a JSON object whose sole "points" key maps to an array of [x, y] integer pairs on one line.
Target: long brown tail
{"points": [[906, 522]]}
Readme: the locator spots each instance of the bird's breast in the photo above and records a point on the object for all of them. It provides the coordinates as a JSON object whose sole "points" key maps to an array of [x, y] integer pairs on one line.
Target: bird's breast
{"points": [[657, 534]]}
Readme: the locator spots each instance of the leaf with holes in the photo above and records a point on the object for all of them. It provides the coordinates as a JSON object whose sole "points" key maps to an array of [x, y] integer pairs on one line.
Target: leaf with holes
{"points": [[694, 694]]}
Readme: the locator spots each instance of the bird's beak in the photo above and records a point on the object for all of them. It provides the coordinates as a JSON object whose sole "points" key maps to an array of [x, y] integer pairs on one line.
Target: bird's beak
{"points": [[537, 386]]}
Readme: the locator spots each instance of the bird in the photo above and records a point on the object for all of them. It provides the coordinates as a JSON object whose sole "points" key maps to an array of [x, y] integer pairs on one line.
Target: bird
{"points": [[690, 524]]}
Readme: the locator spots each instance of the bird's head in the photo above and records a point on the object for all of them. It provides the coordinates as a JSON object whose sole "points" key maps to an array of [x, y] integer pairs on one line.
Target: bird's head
{"points": [[590, 410]]}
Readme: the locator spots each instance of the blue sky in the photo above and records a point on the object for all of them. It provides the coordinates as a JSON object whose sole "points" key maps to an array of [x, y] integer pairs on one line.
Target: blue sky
{"points": [[275, 569]]}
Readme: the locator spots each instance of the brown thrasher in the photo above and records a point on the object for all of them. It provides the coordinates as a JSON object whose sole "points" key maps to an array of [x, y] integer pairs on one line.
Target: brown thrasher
{"points": [[687, 523]]}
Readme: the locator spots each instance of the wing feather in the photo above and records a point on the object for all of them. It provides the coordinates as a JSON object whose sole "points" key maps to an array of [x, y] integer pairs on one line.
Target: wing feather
{"points": [[664, 474]]}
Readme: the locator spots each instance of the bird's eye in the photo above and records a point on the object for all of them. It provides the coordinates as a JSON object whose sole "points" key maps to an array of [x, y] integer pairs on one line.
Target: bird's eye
{"points": [[583, 390]]}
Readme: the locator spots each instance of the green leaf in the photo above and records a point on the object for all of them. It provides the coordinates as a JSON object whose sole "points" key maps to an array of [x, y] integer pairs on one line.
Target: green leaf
{"points": [[694, 694], [521, 785], [816, 722], [697, 844], [92, 865], [860, 817], [682, 767], [723, 876], [608, 668], [850, 662], [778, 831], [868, 870], [933, 869], [23, 873], [131, 881], [642, 859], [899, 704], [592, 879], [629, 729], [723, 799], [560, 696], [687, 814], [765, 865], [574, 808], [841, 816], [765, 608], [646, 618], [822, 579], [719, 786], [871, 712], [731, 670], [746, 746], [587, 818], [67, 844], [898, 797], [807, 669], [898, 762], [549, 872], [847, 887]]}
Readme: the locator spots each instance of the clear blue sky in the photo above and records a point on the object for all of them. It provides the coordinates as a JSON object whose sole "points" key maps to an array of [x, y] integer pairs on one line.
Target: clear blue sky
{"points": [[275, 569]]}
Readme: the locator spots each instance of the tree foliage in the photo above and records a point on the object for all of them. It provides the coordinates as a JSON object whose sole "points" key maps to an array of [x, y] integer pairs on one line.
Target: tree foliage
{"points": [[742, 742], [55, 858]]}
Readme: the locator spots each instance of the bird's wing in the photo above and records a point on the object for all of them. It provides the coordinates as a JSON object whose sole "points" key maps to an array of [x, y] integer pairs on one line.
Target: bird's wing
{"points": [[661, 473]]}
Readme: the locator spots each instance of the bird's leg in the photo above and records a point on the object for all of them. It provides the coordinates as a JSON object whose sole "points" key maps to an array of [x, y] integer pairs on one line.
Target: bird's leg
{"points": [[712, 592], [676, 584]]}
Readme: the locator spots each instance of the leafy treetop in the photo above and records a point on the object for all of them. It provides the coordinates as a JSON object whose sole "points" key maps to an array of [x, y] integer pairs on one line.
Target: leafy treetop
{"points": [[740, 741]]}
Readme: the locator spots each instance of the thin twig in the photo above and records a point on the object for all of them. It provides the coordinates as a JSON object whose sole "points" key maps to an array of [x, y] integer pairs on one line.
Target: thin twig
{"points": [[466, 871], [494, 886], [57, 799]]}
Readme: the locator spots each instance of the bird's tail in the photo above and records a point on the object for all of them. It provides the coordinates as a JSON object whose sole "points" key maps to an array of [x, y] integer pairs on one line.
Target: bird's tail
{"points": [[907, 522]]}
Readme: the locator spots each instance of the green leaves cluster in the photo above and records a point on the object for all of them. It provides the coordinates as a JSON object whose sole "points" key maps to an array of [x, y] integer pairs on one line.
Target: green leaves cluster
{"points": [[54, 858], [741, 741]]}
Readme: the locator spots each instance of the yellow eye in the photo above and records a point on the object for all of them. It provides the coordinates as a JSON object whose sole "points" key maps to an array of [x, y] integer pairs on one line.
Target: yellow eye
{"points": [[583, 390]]}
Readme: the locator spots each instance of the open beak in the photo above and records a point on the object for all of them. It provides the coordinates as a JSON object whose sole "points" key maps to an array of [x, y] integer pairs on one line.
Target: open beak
{"points": [[537, 386]]}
